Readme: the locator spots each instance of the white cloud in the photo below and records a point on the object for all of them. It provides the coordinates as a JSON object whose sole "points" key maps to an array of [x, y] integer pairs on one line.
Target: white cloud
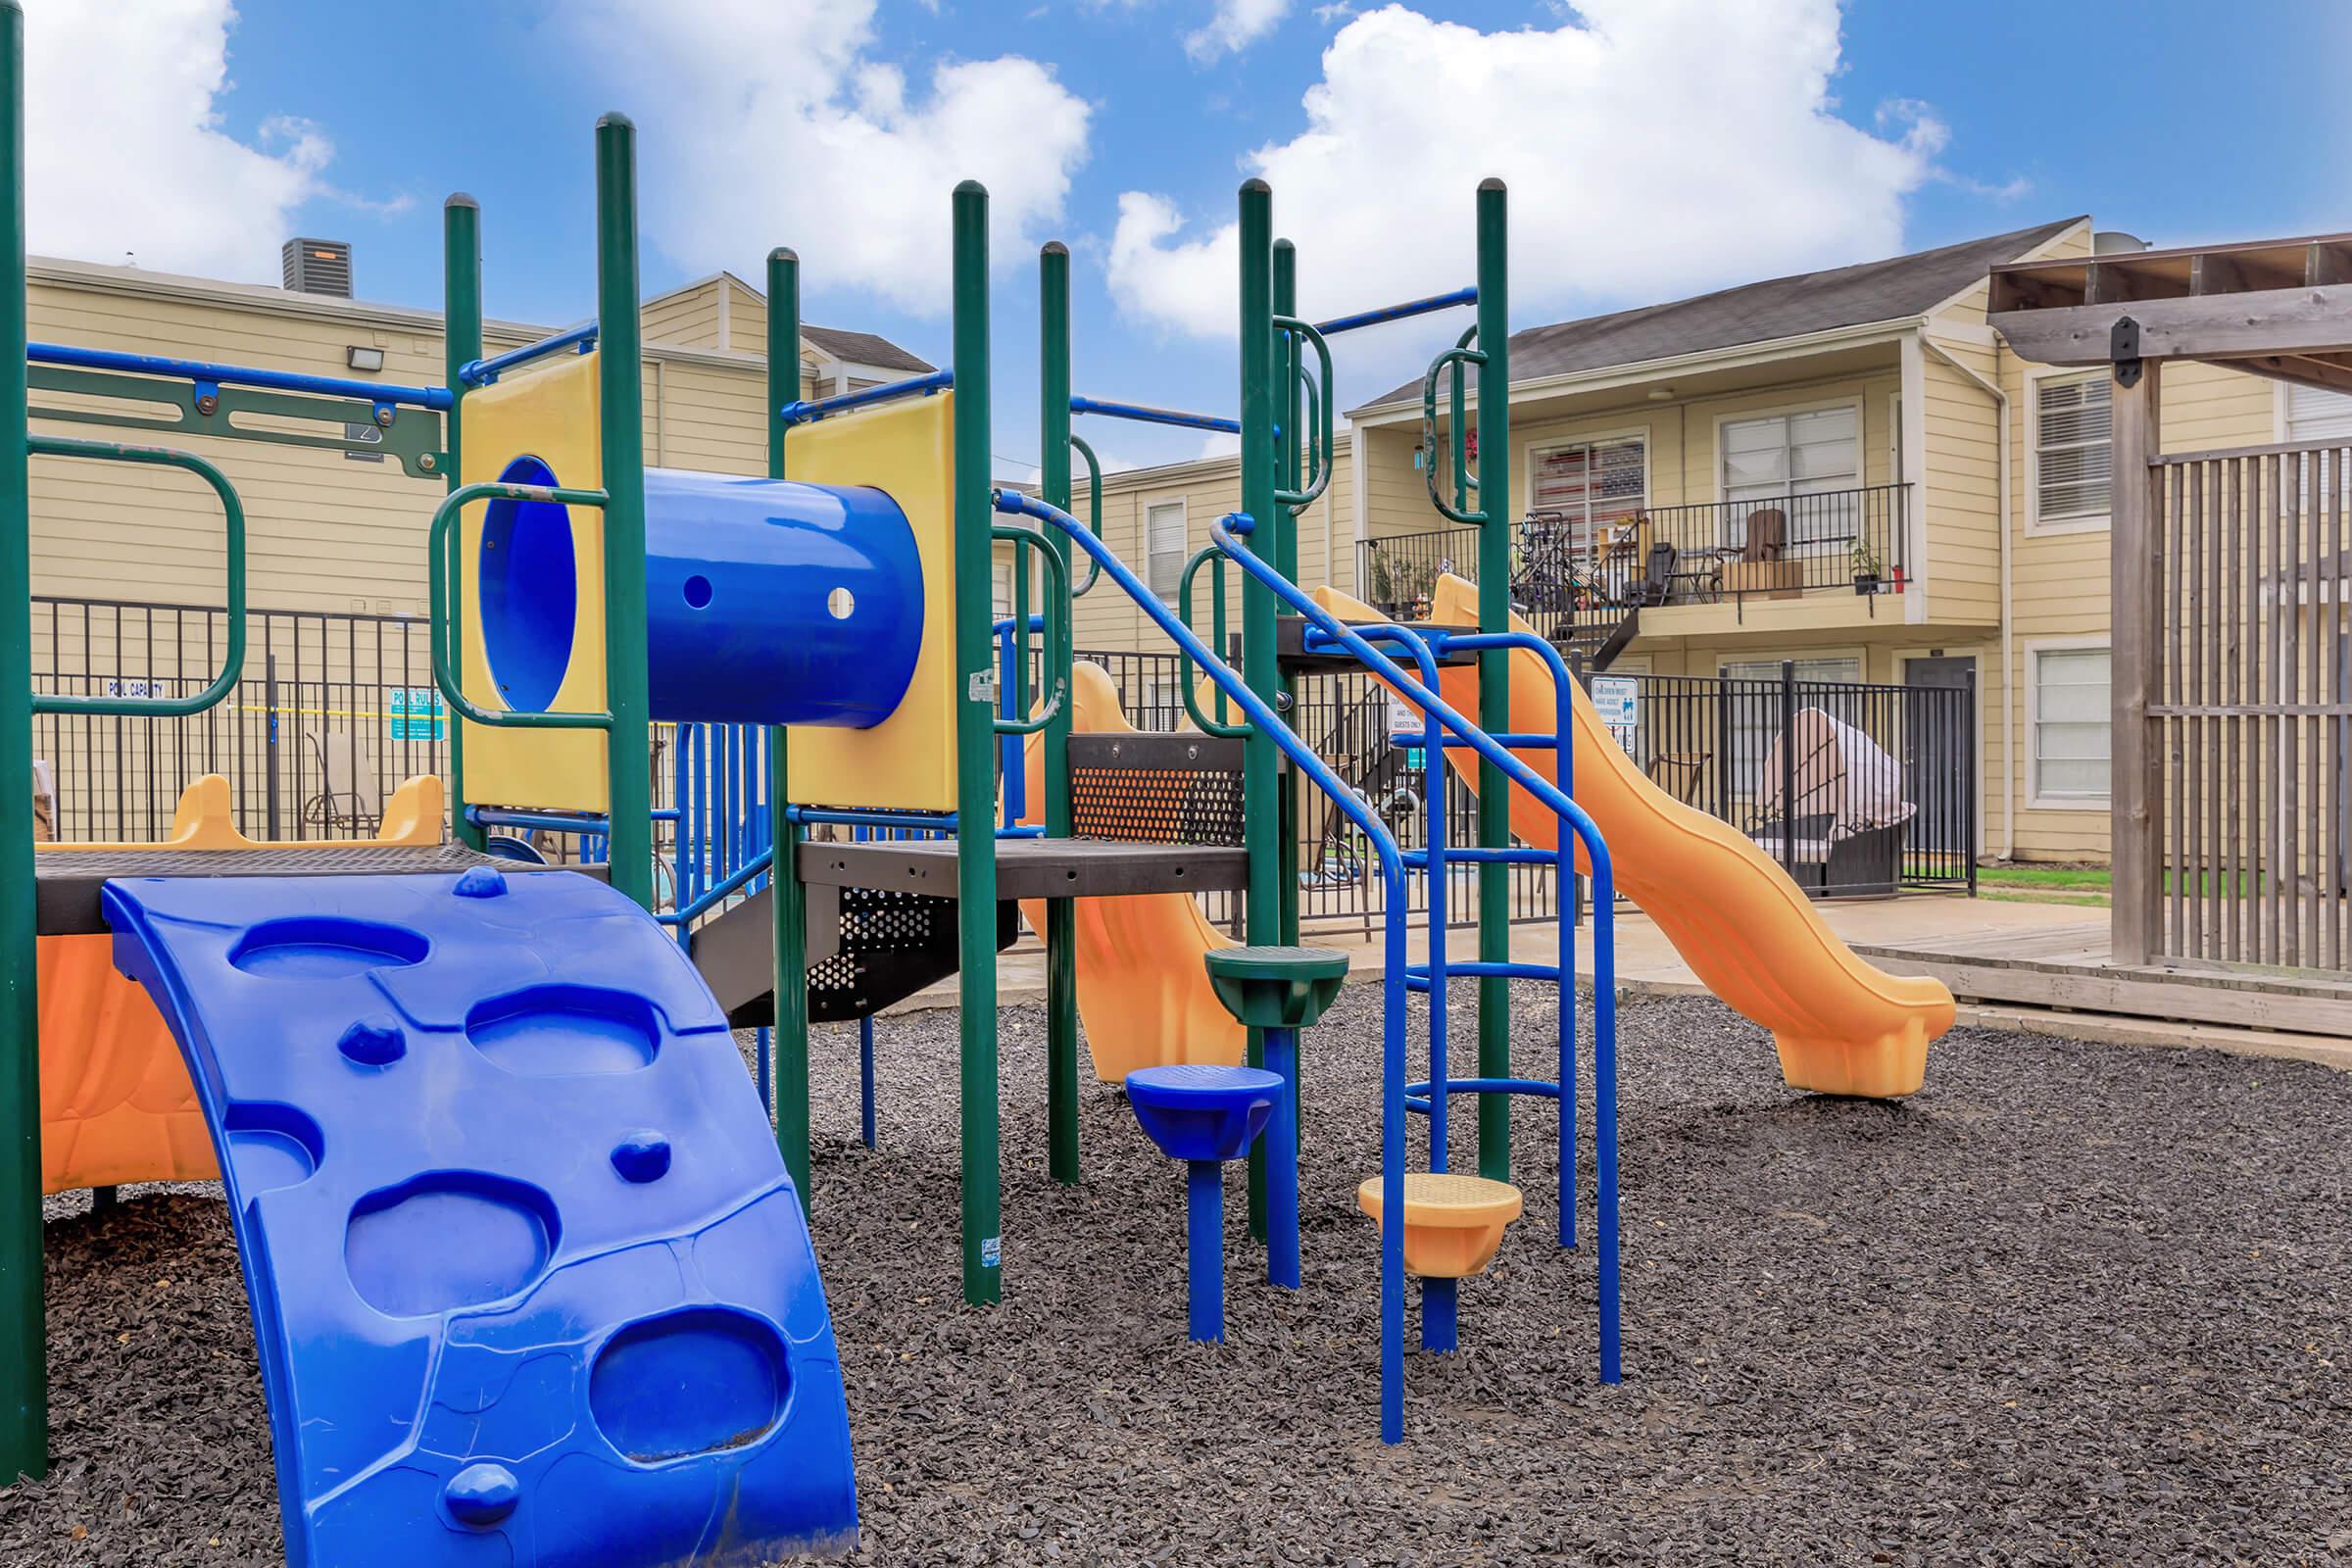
{"points": [[1655, 148], [768, 124], [1234, 27], [1220, 444], [125, 154]]}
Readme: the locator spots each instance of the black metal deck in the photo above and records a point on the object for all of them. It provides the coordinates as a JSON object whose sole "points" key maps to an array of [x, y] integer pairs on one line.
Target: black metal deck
{"points": [[67, 881], [1032, 869]]}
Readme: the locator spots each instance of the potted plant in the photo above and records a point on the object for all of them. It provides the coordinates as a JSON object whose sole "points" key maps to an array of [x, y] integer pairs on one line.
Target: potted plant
{"points": [[1866, 566]]}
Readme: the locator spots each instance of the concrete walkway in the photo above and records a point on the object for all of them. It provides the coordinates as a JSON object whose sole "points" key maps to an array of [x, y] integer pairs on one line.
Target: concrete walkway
{"points": [[1647, 962]]}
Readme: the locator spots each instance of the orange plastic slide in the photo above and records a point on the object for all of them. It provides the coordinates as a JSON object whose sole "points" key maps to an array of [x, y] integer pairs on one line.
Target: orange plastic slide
{"points": [[1143, 990], [1749, 934], [115, 1102]]}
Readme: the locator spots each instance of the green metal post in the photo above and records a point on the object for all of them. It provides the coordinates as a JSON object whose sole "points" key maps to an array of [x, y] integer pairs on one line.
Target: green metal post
{"points": [[620, 409], [975, 756], [24, 1321], [1061, 914], [1495, 670], [788, 895], [462, 343], [1292, 401], [1260, 760]]}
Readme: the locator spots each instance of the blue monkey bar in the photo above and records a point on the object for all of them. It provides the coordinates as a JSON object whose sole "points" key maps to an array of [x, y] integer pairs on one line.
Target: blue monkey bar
{"points": [[1398, 313], [1143, 414], [803, 411], [482, 372]]}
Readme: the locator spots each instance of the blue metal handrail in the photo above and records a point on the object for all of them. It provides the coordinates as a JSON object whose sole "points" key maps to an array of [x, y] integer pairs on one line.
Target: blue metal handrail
{"points": [[1398, 313], [1394, 945], [483, 372], [1226, 533], [218, 374], [803, 411], [1143, 414]]}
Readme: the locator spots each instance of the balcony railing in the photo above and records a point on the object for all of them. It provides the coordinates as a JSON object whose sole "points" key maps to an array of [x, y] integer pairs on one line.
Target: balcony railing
{"points": [[1565, 572]]}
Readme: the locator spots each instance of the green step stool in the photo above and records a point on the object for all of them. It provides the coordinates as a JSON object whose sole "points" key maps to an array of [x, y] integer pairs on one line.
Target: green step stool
{"points": [[1279, 990]]}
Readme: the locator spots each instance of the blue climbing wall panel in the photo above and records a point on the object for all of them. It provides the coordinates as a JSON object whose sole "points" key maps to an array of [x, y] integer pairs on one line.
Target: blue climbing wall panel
{"points": [[529, 1281]]}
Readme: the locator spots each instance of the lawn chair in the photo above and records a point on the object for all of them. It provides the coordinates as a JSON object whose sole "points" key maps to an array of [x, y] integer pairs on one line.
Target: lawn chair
{"points": [[349, 805]]}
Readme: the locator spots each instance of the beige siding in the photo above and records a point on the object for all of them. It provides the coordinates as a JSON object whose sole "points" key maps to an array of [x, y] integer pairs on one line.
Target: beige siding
{"points": [[689, 317]]}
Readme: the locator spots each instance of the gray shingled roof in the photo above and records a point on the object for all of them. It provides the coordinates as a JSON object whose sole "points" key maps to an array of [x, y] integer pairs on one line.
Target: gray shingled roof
{"points": [[1759, 312], [862, 348]]}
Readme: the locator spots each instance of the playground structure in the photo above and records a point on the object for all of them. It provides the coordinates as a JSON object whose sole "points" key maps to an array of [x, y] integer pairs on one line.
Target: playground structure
{"points": [[477, 1100]]}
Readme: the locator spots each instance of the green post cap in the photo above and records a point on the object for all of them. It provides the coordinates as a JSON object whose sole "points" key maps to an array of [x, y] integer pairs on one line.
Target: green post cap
{"points": [[1276, 987]]}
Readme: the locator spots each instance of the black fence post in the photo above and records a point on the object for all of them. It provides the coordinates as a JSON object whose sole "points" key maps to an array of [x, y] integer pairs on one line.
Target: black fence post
{"points": [[1788, 765], [1973, 778], [270, 784]]}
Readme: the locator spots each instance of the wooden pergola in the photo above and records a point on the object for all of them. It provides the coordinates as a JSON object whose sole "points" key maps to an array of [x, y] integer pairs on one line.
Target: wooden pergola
{"points": [[2232, 744]]}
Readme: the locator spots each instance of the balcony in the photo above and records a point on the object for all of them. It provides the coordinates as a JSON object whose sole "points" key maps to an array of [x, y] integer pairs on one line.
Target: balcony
{"points": [[1577, 581]]}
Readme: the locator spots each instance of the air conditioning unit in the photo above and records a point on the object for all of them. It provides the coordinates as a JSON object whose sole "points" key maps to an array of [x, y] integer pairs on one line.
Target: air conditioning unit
{"points": [[318, 266]]}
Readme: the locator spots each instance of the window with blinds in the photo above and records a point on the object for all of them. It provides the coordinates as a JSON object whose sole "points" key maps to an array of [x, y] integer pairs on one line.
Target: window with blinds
{"points": [[1591, 484], [2315, 414], [1785, 457], [1164, 547], [2071, 723], [2073, 431]]}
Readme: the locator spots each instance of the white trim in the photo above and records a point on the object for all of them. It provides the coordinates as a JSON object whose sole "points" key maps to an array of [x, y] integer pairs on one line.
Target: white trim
{"points": [[1784, 411], [2035, 801], [727, 317], [1919, 580], [1358, 504], [1604, 377], [2035, 528]]}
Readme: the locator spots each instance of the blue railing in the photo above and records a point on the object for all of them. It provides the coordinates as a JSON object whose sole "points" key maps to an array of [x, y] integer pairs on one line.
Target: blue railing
{"points": [[807, 411], [482, 372], [1145, 414], [1397, 970], [206, 372], [1398, 313]]}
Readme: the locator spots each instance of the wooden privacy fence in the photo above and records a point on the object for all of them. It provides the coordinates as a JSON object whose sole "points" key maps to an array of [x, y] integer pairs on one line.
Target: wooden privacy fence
{"points": [[2247, 713]]}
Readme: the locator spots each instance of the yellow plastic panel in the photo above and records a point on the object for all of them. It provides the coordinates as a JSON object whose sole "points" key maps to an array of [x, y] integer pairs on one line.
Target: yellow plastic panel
{"points": [[551, 414], [908, 762]]}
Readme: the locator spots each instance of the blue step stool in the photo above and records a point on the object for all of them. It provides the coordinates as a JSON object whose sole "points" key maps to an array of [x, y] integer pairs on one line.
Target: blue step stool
{"points": [[1203, 1115]]}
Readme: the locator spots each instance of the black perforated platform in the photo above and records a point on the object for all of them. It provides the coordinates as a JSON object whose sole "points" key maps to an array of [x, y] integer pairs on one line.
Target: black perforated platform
{"points": [[1032, 869], [68, 881]]}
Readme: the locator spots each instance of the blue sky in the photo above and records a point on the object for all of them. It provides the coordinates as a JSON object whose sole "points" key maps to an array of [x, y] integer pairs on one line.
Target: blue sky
{"points": [[1655, 147]]}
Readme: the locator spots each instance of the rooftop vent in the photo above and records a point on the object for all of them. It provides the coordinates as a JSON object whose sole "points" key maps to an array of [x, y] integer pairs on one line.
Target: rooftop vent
{"points": [[318, 266]]}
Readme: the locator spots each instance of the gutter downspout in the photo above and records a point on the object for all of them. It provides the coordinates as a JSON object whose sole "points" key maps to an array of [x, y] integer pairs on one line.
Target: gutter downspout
{"points": [[2000, 401]]}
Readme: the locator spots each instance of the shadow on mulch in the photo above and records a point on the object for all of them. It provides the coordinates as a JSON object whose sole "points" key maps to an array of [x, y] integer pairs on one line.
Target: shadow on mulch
{"points": [[2070, 1304]]}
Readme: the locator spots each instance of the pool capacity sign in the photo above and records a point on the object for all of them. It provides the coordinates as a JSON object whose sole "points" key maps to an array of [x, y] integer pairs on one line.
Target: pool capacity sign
{"points": [[1617, 699]]}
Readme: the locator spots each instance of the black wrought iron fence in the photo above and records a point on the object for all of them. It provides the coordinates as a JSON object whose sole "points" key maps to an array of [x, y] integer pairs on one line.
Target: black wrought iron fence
{"points": [[1856, 788], [334, 710]]}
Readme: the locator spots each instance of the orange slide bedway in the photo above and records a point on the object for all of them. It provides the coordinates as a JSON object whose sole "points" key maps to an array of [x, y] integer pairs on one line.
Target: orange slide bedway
{"points": [[1749, 933], [1143, 991], [117, 1104]]}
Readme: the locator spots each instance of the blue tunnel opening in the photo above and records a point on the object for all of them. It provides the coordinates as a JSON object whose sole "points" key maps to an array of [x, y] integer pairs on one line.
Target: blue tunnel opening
{"points": [[529, 592]]}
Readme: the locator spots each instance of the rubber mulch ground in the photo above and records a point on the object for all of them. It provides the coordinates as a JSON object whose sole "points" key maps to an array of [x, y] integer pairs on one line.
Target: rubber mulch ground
{"points": [[2070, 1305]]}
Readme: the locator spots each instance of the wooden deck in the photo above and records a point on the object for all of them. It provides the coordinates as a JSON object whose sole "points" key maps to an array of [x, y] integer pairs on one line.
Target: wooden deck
{"points": [[2071, 967]]}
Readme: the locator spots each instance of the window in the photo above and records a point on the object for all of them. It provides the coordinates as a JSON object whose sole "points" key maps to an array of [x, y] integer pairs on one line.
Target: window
{"points": [[1591, 483], [2071, 723], [1784, 456], [2315, 414], [1164, 547], [2074, 429], [999, 589], [1753, 715]]}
